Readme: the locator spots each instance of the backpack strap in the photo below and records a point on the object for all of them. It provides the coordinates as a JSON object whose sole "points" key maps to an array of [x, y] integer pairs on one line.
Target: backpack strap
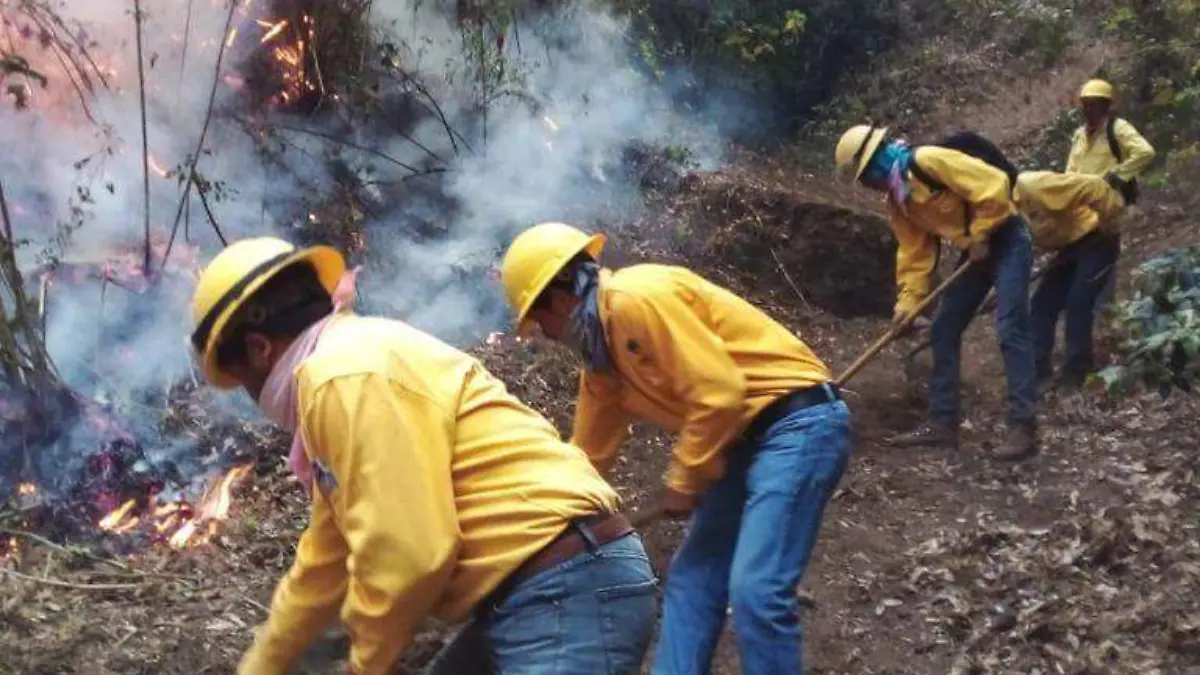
{"points": [[937, 186], [1113, 146], [923, 176]]}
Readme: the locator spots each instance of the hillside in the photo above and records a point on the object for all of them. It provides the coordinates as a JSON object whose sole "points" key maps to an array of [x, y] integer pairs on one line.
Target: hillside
{"points": [[1082, 560]]}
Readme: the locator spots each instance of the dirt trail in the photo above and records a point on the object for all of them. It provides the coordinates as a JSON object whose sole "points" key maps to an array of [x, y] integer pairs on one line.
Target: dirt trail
{"points": [[872, 612], [1081, 560]]}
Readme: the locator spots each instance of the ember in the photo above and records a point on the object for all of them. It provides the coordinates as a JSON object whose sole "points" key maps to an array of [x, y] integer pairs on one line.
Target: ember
{"points": [[178, 522]]}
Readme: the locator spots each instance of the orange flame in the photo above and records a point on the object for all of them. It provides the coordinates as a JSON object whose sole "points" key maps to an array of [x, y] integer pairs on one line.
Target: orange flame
{"points": [[156, 167], [180, 520]]}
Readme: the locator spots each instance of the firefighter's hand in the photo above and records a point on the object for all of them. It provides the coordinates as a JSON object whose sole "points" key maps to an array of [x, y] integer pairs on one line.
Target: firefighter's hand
{"points": [[677, 504], [977, 252]]}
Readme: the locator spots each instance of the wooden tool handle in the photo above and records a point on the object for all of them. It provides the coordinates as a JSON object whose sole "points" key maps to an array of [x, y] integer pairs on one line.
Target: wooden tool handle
{"points": [[897, 329]]}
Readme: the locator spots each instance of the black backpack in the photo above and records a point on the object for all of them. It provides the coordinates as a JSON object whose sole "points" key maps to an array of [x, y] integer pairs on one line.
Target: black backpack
{"points": [[977, 146], [1129, 190]]}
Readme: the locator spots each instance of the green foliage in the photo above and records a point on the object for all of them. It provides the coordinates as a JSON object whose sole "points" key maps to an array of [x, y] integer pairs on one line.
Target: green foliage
{"points": [[785, 54], [1161, 79], [1049, 150], [1159, 328], [1034, 29]]}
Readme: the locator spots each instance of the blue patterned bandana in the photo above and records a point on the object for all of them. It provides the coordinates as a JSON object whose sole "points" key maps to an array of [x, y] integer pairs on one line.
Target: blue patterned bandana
{"points": [[888, 167]]}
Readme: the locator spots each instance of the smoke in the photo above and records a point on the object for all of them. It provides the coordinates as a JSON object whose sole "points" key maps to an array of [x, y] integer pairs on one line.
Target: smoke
{"points": [[568, 102]]}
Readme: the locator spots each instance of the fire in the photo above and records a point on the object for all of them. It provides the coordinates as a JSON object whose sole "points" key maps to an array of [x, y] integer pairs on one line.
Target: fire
{"points": [[179, 522], [272, 30], [156, 167]]}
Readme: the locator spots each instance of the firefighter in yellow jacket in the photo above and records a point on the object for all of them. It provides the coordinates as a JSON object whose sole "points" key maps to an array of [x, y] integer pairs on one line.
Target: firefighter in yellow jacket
{"points": [[936, 193], [1110, 147], [763, 435], [1076, 215], [434, 491]]}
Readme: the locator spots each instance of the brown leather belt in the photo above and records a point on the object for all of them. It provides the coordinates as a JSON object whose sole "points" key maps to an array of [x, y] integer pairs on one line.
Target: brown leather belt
{"points": [[587, 533]]}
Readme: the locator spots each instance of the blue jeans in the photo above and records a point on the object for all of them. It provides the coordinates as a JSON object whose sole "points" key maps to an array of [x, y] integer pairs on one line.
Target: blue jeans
{"points": [[1074, 282], [750, 539], [1008, 268], [591, 615]]}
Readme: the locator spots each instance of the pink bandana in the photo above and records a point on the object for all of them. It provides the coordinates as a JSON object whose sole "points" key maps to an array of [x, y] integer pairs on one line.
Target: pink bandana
{"points": [[278, 399], [898, 187]]}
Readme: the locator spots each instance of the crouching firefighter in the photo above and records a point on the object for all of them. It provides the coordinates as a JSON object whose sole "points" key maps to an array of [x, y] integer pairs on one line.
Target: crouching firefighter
{"points": [[1078, 216], [763, 435], [434, 491], [935, 193]]}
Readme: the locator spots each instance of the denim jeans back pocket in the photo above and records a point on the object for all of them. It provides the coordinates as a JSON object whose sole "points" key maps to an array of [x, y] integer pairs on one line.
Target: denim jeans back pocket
{"points": [[629, 613], [526, 630]]}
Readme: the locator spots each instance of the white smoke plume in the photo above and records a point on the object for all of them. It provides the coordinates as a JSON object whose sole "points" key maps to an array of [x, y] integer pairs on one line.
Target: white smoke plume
{"points": [[554, 138]]}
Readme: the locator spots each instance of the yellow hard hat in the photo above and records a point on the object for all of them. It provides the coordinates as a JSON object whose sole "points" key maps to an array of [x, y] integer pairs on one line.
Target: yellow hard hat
{"points": [[233, 276], [1096, 89], [855, 149], [536, 256]]}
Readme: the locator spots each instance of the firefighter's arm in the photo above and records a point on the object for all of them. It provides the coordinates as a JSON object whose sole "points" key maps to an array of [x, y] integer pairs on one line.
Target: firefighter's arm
{"points": [[601, 424], [916, 258], [306, 600], [385, 467], [1137, 150]]}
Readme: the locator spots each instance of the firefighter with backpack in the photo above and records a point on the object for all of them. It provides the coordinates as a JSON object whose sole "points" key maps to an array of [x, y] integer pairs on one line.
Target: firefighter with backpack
{"points": [[1108, 146], [935, 192], [1075, 215]]}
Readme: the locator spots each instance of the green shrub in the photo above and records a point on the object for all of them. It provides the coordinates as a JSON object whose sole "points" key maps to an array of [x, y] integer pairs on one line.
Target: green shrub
{"points": [[1159, 328], [784, 56]]}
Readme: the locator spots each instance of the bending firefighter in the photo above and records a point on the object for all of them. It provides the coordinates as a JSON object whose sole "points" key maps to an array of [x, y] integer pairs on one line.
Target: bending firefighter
{"points": [[434, 491], [1075, 215], [1110, 147], [763, 436], [938, 193]]}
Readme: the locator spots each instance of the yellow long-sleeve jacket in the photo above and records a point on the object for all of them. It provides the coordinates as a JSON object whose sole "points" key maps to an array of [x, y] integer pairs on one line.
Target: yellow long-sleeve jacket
{"points": [[976, 200], [1091, 153], [692, 358], [1065, 207], [435, 484]]}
